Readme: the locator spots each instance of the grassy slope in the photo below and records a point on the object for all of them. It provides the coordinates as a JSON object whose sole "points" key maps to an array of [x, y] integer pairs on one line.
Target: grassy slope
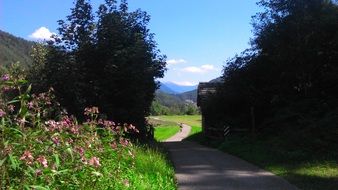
{"points": [[306, 169], [163, 132]]}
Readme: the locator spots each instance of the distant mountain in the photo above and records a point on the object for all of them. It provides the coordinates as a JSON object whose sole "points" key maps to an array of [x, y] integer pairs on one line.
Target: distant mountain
{"points": [[168, 99], [217, 80], [173, 104], [188, 96], [179, 88], [14, 49], [171, 101], [164, 88]]}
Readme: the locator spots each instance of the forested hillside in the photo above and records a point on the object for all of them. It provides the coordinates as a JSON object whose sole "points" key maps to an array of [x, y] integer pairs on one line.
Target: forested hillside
{"points": [[174, 104], [14, 49]]}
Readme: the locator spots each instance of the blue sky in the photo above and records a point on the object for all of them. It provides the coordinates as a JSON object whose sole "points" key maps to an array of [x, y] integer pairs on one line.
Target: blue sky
{"points": [[197, 36]]}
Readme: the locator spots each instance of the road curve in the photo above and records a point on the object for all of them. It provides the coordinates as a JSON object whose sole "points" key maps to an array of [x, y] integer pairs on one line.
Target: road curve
{"points": [[199, 167]]}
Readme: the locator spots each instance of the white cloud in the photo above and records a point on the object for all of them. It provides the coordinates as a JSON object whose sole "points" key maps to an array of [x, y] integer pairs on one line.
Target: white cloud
{"points": [[192, 70], [42, 33], [176, 61], [201, 69], [208, 67], [185, 83]]}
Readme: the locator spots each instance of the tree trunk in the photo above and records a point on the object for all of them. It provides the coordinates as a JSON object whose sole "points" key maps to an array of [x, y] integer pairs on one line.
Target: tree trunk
{"points": [[253, 120]]}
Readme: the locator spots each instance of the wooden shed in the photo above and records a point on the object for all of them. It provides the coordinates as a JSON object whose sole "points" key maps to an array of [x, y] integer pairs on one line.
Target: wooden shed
{"points": [[210, 127]]}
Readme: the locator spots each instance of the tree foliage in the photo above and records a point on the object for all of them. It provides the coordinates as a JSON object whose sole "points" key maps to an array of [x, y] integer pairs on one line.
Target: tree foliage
{"points": [[109, 60], [290, 73]]}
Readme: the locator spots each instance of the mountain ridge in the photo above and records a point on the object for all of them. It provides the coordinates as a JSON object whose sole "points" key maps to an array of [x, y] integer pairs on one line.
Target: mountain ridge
{"points": [[14, 49]]}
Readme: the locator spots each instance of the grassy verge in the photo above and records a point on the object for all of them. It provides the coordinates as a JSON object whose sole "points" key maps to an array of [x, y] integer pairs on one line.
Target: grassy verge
{"points": [[148, 168], [152, 170], [164, 132]]}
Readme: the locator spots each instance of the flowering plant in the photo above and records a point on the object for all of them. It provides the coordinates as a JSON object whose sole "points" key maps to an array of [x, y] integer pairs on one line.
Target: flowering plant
{"points": [[42, 147]]}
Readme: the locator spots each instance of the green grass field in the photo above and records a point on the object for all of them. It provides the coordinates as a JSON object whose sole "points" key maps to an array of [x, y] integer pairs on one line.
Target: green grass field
{"points": [[192, 120], [164, 132], [167, 126]]}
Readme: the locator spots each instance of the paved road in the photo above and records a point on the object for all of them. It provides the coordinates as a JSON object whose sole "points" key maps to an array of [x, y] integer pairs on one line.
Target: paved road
{"points": [[198, 167]]}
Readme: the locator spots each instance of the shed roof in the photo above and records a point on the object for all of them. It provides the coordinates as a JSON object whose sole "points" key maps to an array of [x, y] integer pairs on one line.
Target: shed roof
{"points": [[204, 89]]}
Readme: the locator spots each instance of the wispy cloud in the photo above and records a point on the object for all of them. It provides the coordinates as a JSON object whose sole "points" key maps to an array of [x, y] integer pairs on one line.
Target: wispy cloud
{"points": [[185, 83], [41, 33], [176, 61], [201, 69]]}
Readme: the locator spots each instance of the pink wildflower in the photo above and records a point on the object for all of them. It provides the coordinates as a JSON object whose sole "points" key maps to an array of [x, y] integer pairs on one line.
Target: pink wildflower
{"points": [[43, 161], [6, 89], [75, 130], [80, 150], [84, 160], [21, 122], [38, 172], [5, 77], [113, 145], [108, 123], [30, 105], [56, 140], [27, 157], [2, 113], [94, 161], [133, 128], [66, 121], [53, 125], [11, 108], [92, 110], [70, 141], [124, 142]]}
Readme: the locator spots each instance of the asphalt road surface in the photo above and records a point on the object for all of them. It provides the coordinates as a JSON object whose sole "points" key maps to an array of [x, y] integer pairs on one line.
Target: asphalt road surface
{"points": [[199, 167]]}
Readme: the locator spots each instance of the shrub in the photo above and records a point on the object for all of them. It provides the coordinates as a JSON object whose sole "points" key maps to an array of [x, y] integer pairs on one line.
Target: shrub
{"points": [[42, 147]]}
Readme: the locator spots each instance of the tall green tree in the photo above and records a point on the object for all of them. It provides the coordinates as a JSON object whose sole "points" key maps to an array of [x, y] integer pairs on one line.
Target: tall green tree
{"points": [[291, 66], [109, 60]]}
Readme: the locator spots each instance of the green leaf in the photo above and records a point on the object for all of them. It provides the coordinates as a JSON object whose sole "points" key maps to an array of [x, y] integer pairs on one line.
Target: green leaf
{"points": [[29, 89], [97, 174], [13, 101], [18, 131], [70, 152], [2, 161], [23, 111], [55, 172], [22, 81], [13, 161], [38, 187], [57, 160], [9, 82]]}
